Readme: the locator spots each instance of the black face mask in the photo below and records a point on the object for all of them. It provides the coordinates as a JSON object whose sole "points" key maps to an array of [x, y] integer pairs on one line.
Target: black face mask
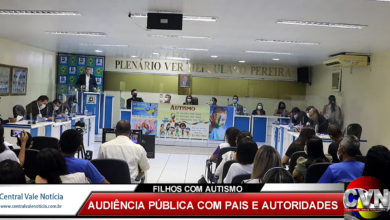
{"points": [[135, 95]]}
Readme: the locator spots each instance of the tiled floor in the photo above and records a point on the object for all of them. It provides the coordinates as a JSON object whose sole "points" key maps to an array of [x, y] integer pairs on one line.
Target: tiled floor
{"points": [[174, 164]]}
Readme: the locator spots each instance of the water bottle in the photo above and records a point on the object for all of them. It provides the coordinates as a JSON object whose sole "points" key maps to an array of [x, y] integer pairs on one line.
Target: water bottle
{"points": [[316, 129], [66, 112], [244, 110], [85, 111]]}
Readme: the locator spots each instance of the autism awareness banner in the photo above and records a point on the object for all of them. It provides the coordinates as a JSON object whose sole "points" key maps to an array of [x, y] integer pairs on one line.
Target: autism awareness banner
{"points": [[144, 117], [183, 121], [221, 118]]}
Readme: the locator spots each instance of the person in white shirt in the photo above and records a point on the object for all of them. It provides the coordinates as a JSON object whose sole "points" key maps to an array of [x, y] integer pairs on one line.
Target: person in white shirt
{"points": [[123, 148], [245, 156]]}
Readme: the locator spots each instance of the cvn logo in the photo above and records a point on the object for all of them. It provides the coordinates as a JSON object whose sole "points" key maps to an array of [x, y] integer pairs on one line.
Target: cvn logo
{"points": [[366, 197]]}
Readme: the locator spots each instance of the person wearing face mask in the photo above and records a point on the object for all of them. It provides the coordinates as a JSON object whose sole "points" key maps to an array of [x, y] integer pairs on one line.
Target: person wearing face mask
{"points": [[69, 105], [239, 108], [336, 135], [54, 109], [213, 101], [188, 100], [315, 154], [298, 116], [319, 121], [37, 108], [281, 111], [134, 98], [167, 99], [259, 109], [349, 168]]}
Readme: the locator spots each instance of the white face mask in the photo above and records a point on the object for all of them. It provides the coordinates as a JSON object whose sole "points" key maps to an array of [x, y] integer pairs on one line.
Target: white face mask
{"points": [[211, 103], [56, 108], [295, 117], [259, 107], [42, 106], [339, 155], [188, 100], [166, 99], [308, 115], [306, 151]]}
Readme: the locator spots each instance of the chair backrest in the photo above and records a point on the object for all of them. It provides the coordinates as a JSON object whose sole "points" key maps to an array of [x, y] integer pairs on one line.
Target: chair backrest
{"points": [[354, 129], [222, 152], [315, 171], [41, 142], [114, 170], [361, 158], [294, 158], [30, 162], [18, 110], [239, 178], [226, 168], [195, 100]]}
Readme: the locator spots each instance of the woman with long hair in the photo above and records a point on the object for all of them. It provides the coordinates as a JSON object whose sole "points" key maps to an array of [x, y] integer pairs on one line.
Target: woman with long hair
{"points": [[231, 155], [298, 144], [230, 141], [259, 110], [246, 151], [332, 110], [188, 100], [315, 152], [266, 158], [11, 172], [52, 169], [281, 111], [277, 175]]}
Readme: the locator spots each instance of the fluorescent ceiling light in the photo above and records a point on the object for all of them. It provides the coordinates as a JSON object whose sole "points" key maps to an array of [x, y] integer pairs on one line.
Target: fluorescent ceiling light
{"points": [[276, 59], [264, 52], [287, 42], [133, 56], [182, 48], [98, 51], [176, 36], [322, 24], [155, 53], [185, 17], [241, 61], [214, 56], [177, 58], [95, 34], [40, 12], [104, 45]]}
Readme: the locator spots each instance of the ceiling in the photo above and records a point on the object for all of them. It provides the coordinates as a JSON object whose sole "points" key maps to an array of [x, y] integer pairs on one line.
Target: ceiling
{"points": [[239, 23]]}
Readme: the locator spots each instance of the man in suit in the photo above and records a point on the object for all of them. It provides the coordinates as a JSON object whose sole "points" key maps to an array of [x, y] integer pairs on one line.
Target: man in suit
{"points": [[298, 116], [87, 81], [54, 109], [133, 98], [37, 107], [68, 105], [184, 81], [238, 107], [316, 119]]}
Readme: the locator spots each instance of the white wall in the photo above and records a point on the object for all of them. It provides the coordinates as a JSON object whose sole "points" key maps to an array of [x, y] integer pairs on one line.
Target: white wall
{"points": [[250, 103], [364, 98], [41, 77]]}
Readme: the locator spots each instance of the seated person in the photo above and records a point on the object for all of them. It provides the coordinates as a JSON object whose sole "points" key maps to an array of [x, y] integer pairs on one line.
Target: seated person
{"points": [[298, 144], [188, 100], [278, 175], [378, 156], [6, 154], [315, 151], [213, 101], [54, 109], [134, 98], [217, 123], [259, 109], [230, 155], [318, 120], [238, 108], [336, 135], [52, 169], [69, 145], [281, 111], [266, 158], [124, 149], [29, 142], [37, 107], [308, 115], [230, 141], [70, 105], [167, 99], [246, 151], [298, 116], [349, 168], [11, 172]]}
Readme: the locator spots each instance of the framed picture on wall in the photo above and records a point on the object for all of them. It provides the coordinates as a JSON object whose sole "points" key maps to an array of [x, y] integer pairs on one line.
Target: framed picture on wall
{"points": [[5, 73], [336, 80], [185, 80], [19, 80]]}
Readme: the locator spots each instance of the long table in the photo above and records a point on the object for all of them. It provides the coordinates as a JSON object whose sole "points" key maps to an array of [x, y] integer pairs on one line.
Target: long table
{"points": [[52, 129]]}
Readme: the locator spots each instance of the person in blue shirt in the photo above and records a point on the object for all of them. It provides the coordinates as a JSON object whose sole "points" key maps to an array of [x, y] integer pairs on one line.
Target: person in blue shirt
{"points": [[349, 169], [69, 144]]}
